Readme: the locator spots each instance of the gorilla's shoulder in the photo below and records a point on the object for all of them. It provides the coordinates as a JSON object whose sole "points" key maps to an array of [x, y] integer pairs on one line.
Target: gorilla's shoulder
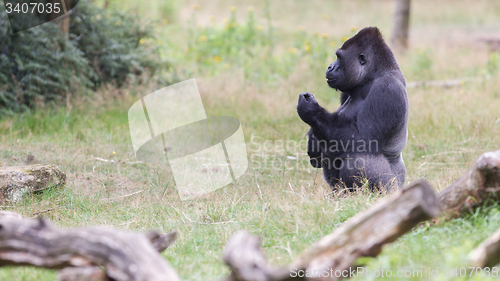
{"points": [[388, 94], [389, 84]]}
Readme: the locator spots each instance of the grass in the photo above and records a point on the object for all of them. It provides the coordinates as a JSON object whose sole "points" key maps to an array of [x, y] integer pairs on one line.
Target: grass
{"points": [[252, 66]]}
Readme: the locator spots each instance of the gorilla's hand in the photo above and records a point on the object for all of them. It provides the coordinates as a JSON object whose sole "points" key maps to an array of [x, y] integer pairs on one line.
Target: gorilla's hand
{"points": [[307, 108]]}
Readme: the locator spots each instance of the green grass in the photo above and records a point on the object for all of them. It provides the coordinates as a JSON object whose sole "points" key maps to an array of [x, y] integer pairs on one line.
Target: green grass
{"points": [[253, 66]]}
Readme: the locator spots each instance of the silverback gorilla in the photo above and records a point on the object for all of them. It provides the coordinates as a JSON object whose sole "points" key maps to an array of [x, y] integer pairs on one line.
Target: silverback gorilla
{"points": [[364, 138]]}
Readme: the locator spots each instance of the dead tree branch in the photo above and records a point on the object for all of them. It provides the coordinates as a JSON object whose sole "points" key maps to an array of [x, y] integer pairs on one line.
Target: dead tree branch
{"points": [[128, 255], [474, 187], [125, 255], [363, 235], [488, 253]]}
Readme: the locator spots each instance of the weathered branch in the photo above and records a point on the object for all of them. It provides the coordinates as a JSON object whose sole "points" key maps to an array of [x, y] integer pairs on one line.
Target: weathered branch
{"points": [[99, 253], [363, 235], [89, 273], [125, 255], [366, 234], [474, 187], [488, 253], [247, 262], [161, 241]]}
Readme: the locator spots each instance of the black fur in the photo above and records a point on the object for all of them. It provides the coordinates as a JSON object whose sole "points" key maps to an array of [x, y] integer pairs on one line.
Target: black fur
{"points": [[364, 138]]}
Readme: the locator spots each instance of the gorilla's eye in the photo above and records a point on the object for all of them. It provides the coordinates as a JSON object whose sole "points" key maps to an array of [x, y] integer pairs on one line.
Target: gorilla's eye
{"points": [[362, 59]]}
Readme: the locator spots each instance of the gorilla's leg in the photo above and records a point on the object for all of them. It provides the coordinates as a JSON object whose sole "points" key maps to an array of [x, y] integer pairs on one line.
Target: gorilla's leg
{"points": [[398, 168], [331, 173], [374, 168]]}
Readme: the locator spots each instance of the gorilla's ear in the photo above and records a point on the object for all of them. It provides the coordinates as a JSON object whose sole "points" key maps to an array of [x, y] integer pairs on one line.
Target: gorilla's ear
{"points": [[362, 59]]}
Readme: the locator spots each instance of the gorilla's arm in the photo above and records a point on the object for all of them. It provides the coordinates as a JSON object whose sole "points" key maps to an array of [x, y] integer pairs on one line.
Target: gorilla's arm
{"points": [[314, 150], [325, 126], [379, 117]]}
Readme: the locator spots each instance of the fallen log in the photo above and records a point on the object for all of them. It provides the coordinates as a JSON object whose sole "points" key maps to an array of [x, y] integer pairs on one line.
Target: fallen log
{"points": [[443, 83], [247, 262], [365, 234], [125, 255], [487, 254], [17, 181], [134, 256], [474, 187], [362, 236], [95, 273], [90, 273]]}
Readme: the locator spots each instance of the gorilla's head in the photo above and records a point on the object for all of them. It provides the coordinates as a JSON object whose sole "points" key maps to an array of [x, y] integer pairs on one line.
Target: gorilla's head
{"points": [[361, 59]]}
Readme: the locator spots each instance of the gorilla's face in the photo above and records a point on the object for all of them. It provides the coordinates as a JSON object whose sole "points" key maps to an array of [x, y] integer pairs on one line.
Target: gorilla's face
{"points": [[348, 71]]}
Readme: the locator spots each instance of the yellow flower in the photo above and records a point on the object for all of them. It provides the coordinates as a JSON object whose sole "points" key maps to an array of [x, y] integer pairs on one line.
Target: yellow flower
{"points": [[307, 47], [142, 41], [353, 28], [344, 38], [301, 28], [260, 27], [324, 35], [233, 9], [217, 59], [196, 7], [211, 17], [233, 24], [224, 20], [159, 42], [333, 44], [325, 16], [164, 21], [227, 65], [114, 153], [202, 38], [292, 50]]}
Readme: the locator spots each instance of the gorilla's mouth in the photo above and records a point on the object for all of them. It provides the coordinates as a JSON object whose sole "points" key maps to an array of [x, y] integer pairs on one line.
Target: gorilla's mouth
{"points": [[331, 83]]}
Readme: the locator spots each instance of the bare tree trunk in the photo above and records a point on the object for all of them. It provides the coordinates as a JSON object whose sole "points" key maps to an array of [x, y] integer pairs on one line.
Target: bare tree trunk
{"points": [[399, 38]]}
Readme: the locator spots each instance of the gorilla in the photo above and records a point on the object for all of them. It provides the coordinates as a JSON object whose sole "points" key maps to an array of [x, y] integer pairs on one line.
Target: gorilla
{"points": [[361, 142]]}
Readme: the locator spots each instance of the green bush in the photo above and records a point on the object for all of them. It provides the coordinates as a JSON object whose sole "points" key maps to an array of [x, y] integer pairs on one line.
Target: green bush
{"points": [[112, 42], [40, 65]]}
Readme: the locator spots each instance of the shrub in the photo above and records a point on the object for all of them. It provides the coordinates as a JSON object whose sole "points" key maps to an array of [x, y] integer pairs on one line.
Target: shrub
{"points": [[37, 65], [40, 65], [112, 42]]}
